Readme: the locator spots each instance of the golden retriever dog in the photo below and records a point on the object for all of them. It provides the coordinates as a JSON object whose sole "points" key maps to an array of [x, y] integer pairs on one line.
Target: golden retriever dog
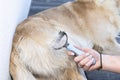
{"points": [[88, 23], [118, 4]]}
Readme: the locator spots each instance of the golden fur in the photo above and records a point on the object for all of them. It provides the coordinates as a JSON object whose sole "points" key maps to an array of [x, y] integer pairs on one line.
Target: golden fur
{"points": [[88, 23]]}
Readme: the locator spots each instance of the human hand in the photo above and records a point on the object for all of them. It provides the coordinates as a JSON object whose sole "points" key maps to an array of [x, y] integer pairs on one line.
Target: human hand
{"points": [[86, 59]]}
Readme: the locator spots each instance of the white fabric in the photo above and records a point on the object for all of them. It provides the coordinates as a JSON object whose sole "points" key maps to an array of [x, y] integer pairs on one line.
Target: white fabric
{"points": [[12, 12]]}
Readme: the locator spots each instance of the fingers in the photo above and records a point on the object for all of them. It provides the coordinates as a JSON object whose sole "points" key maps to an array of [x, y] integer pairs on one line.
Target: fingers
{"points": [[81, 57], [87, 66], [85, 61]]}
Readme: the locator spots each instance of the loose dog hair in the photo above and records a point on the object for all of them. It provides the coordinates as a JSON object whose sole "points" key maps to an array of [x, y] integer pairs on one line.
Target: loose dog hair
{"points": [[88, 23]]}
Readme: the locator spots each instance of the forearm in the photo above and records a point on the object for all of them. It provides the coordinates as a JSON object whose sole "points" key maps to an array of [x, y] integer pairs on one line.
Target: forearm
{"points": [[111, 63]]}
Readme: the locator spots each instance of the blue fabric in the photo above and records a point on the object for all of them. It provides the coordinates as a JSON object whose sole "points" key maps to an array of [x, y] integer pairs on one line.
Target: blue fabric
{"points": [[102, 75]]}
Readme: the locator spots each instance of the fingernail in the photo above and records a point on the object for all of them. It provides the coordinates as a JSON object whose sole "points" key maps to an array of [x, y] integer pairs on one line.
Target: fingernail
{"points": [[76, 59], [87, 54], [72, 54], [90, 56]]}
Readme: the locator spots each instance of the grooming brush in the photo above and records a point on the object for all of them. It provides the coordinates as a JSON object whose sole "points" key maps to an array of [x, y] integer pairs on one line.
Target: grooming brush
{"points": [[62, 42]]}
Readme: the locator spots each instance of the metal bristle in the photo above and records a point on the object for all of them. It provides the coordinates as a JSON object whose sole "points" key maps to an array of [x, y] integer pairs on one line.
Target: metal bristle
{"points": [[60, 42]]}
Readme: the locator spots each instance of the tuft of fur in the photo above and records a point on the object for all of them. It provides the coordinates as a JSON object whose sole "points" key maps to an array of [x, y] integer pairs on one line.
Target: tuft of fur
{"points": [[88, 24]]}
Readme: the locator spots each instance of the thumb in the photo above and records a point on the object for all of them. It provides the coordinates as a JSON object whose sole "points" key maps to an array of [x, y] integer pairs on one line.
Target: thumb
{"points": [[71, 53]]}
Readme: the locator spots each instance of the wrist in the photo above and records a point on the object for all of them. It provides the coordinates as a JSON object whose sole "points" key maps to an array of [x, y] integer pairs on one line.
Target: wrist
{"points": [[100, 62]]}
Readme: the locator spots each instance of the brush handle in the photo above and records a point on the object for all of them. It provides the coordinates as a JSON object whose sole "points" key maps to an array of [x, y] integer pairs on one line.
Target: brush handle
{"points": [[77, 51]]}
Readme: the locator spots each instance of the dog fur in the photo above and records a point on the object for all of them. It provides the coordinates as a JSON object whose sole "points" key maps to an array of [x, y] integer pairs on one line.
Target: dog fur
{"points": [[88, 23]]}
